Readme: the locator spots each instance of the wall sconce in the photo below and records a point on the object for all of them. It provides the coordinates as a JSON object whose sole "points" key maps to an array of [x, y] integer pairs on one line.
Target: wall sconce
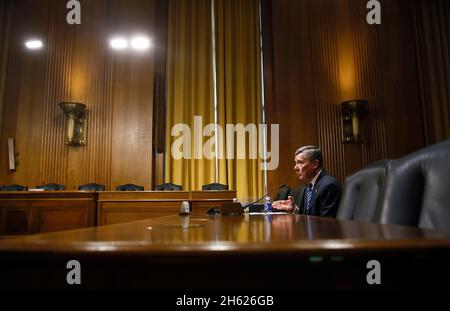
{"points": [[351, 114], [76, 123]]}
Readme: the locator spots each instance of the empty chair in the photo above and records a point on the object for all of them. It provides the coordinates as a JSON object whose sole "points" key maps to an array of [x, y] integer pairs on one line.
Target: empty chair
{"points": [[51, 187], [92, 186], [362, 193], [13, 187], [129, 187], [168, 187], [215, 186], [417, 189]]}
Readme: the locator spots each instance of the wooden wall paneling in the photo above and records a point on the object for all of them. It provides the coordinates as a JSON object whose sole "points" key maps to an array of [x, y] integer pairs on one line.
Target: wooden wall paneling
{"points": [[324, 52], [76, 64], [83, 69], [327, 44], [132, 106], [5, 23], [308, 52], [92, 77], [293, 103], [347, 86], [54, 153], [24, 92], [368, 82], [100, 158]]}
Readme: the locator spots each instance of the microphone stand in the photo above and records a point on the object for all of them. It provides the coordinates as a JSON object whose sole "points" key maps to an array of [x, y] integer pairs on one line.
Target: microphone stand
{"points": [[248, 205]]}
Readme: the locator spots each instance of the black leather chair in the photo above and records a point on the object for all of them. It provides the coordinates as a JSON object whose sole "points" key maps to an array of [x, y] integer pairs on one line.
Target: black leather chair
{"points": [[363, 192], [51, 187], [129, 187], [92, 187], [168, 187], [215, 186], [417, 189], [283, 193], [13, 187]]}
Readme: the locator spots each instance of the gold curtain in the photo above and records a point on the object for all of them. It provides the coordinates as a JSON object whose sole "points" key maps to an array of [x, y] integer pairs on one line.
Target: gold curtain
{"points": [[189, 90], [239, 90], [190, 93]]}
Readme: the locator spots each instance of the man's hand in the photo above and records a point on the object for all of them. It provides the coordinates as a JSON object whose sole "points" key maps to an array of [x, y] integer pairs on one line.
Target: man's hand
{"points": [[285, 205]]}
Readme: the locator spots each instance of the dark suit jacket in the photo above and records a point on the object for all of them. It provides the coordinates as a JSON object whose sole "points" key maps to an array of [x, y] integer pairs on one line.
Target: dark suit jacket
{"points": [[325, 199]]}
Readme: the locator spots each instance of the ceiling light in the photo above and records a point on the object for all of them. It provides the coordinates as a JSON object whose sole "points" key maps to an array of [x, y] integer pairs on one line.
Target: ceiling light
{"points": [[118, 43], [34, 44], [140, 43]]}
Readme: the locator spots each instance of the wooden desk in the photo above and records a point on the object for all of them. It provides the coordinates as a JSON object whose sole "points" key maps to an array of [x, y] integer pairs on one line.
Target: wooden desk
{"points": [[24, 212], [265, 252], [124, 206]]}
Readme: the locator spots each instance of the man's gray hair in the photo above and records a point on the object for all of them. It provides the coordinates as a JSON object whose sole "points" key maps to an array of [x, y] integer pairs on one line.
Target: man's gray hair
{"points": [[312, 153]]}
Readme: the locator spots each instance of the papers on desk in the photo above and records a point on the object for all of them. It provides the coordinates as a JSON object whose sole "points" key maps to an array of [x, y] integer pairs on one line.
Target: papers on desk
{"points": [[267, 213]]}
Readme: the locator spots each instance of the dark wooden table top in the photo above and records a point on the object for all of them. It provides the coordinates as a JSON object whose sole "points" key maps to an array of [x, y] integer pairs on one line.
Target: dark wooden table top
{"points": [[238, 234], [242, 252]]}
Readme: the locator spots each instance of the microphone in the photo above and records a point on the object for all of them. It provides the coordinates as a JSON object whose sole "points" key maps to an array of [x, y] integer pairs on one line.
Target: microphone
{"points": [[280, 186], [236, 208]]}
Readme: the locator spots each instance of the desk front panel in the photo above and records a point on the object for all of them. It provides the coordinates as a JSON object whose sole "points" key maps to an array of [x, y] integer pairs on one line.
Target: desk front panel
{"points": [[26, 212], [266, 252], [114, 212], [124, 206]]}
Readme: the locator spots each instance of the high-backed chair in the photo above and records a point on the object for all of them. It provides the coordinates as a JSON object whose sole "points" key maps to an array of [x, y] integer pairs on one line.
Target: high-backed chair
{"points": [[215, 186], [13, 187], [362, 193], [283, 193], [92, 186], [129, 187], [168, 187], [417, 189], [51, 186]]}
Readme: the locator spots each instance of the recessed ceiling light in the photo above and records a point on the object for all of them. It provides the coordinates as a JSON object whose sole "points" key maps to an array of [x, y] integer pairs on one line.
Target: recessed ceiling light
{"points": [[34, 44], [140, 43], [118, 43]]}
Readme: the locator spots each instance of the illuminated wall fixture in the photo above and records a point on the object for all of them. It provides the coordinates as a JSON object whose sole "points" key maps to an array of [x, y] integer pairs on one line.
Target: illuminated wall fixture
{"points": [[76, 123], [351, 115]]}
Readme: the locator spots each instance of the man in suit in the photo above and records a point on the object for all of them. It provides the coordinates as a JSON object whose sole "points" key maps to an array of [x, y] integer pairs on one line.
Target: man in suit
{"points": [[322, 193]]}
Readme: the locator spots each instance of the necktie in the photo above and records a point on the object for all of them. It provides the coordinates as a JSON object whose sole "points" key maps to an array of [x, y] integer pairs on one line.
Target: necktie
{"points": [[308, 194]]}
